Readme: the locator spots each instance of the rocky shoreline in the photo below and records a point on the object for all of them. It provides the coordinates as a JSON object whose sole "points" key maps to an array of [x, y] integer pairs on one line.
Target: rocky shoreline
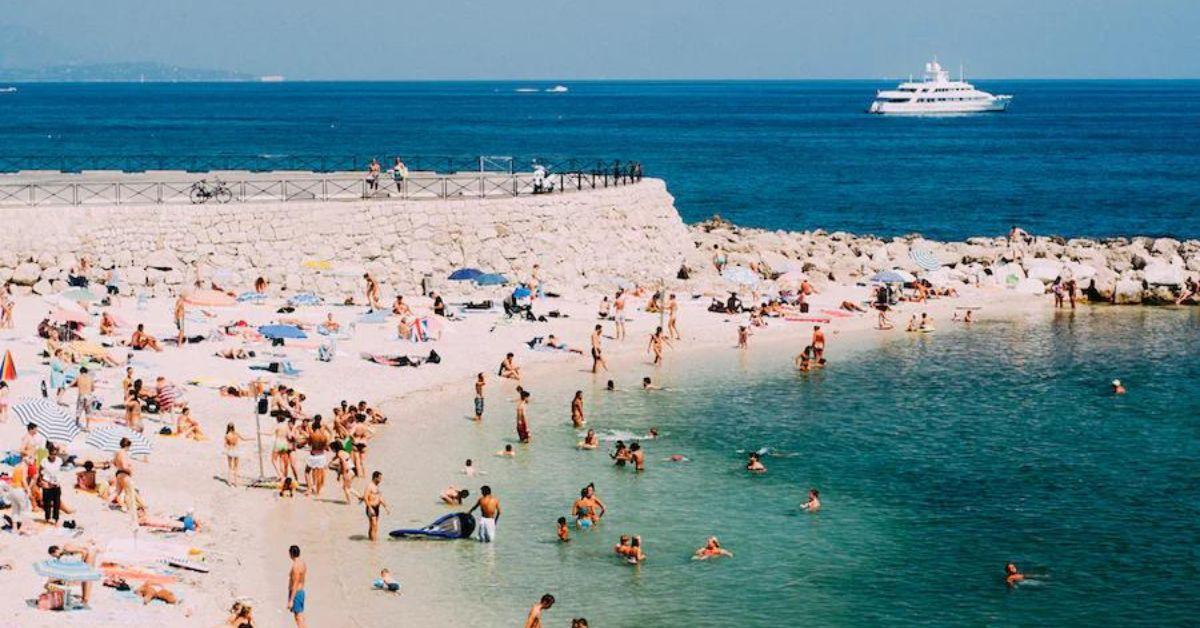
{"points": [[1122, 271]]}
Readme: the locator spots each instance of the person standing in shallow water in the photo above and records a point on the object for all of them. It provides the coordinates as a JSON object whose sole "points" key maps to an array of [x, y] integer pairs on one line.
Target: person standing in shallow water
{"points": [[480, 382], [522, 425], [577, 419], [534, 619], [489, 514], [597, 351]]}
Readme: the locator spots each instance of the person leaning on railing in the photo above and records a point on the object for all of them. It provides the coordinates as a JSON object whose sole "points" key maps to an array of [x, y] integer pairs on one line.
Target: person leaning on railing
{"points": [[399, 174]]}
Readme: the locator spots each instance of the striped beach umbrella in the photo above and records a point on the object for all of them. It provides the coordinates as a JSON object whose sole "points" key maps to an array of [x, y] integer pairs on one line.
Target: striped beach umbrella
{"points": [[67, 570], [51, 419], [108, 438], [924, 258]]}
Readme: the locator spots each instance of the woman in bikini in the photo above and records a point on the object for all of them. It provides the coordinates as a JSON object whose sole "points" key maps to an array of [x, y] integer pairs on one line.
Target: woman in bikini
{"points": [[279, 446]]}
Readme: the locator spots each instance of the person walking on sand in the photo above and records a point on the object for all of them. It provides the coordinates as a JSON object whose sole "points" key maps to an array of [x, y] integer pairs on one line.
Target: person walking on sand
{"points": [[480, 382], [522, 422], [489, 514], [619, 314], [372, 291], [233, 455], [180, 315], [372, 499], [534, 619], [672, 315], [597, 351], [656, 344], [296, 577], [577, 419]]}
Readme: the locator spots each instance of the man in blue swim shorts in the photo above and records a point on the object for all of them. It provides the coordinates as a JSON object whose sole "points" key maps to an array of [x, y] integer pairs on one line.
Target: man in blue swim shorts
{"points": [[296, 585]]}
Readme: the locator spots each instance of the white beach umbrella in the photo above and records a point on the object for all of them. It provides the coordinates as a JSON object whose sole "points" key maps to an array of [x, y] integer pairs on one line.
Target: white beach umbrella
{"points": [[51, 419]]}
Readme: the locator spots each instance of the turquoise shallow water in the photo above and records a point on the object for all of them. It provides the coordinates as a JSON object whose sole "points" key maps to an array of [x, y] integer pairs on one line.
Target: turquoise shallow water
{"points": [[939, 458]]}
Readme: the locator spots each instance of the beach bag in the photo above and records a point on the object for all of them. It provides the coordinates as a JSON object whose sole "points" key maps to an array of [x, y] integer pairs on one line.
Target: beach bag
{"points": [[325, 353], [804, 308], [434, 358]]}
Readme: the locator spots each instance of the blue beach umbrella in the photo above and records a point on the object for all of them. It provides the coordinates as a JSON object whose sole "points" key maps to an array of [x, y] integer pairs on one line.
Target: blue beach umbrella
{"points": [[67, 570], [305, 298], [521, 293], [491, 279], [51, 419], [466, 274], [282, 331], [890, 276]]}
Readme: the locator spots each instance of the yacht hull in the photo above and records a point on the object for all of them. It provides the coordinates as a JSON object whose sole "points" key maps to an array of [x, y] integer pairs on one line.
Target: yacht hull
{"points": [[925, 108]]}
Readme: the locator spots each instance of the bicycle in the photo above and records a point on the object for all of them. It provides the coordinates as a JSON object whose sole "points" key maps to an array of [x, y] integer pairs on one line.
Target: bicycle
{"points": [[202, 191]]}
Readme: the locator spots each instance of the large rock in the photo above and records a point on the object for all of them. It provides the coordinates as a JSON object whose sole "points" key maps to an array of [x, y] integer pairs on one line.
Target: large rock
{"points": [[26, 274], [43, 287], [1158, 273], [162, 259], [1127, 292]]}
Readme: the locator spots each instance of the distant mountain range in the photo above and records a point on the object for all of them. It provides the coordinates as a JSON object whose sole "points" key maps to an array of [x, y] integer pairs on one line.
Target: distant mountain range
{"points": [[119, 72]]}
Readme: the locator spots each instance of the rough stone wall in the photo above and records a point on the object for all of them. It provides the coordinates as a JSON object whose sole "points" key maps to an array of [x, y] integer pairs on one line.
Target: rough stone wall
{"points": [[578, 238]]}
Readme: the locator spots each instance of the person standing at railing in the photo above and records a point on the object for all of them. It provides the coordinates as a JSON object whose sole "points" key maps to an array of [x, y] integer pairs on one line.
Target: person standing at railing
{"points": [[399, 174], [373, 172], [539, 178]]}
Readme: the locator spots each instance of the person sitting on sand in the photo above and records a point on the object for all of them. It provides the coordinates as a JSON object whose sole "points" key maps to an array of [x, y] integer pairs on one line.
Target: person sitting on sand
{"points": [[851, 306], [754, 464], [454, 496], [141, 340], [814, 501], [108, 324], [330, 325], [589, 441], [509, 368], [712, 549], [386, 582], [1011, 575], [186, 426], [553, 343], [1117, 387]]}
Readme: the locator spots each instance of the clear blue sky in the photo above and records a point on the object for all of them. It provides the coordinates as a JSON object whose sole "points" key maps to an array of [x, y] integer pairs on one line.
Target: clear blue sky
{"points": [[564, 39]]}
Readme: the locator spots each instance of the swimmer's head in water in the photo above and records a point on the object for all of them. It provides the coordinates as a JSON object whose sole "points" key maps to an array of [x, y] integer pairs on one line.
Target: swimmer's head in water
{"points": [[508, 448], [645, 381], [610, 385]]}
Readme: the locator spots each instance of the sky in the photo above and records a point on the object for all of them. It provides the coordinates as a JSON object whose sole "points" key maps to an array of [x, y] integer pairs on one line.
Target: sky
{"points": [[562, 39]]}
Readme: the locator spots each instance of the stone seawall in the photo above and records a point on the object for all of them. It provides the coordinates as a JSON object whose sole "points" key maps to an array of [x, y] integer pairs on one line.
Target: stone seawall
{"points": [[578, 238]]}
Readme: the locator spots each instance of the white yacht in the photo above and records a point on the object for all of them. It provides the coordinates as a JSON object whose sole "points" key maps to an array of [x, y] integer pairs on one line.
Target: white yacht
{"points": [[937, 94]]}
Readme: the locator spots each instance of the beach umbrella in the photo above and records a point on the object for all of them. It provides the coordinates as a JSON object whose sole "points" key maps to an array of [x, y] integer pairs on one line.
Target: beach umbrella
{"points": [[8, 368], [67, 570], [80, 295], [924, 258], [465, 274], [209, 298], [51, 419], [491, 279], [521, 293], [305, 298], [891, 276], [70, 316], [740, 275], [108, 438], [282, 331]]}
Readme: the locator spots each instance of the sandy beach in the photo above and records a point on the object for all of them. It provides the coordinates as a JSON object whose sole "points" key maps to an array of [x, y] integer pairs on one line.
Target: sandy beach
{"points": [[247, 530]]}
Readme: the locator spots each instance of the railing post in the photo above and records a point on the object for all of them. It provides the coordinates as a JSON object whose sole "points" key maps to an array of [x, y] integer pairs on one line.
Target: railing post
{"points": [[158, 189]]}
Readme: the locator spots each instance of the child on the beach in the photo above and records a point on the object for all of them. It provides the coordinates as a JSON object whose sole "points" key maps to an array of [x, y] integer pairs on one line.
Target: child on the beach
{"points": [[563, 534]]}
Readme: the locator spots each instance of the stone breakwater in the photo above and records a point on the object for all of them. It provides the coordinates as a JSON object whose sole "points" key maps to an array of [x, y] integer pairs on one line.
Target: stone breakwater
{"points": [[1117, 270], [578, 239]]}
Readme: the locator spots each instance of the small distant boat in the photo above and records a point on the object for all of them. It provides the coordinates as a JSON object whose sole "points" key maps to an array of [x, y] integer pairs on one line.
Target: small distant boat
{"points": [[937, 94], [271, 78], [527, 90], [557, 89], [8, 90]]}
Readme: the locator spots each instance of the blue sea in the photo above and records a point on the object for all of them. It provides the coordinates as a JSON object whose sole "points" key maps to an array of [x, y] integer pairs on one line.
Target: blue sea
{"points": [[1077, 158]]}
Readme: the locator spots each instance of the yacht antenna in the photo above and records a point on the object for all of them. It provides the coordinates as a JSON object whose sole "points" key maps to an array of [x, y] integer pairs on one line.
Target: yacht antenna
{"points": [[962, 76]]}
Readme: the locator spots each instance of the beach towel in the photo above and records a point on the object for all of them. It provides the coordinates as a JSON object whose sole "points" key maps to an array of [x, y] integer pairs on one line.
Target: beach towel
{"points": [[806, 319]]}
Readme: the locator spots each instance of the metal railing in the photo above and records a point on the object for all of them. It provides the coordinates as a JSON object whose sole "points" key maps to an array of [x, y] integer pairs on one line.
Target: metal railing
{"points": [[342, 187], [440, 164]]}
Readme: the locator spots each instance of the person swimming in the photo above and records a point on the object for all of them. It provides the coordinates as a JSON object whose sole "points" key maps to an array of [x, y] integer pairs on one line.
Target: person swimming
{"points": [[507, 452], [589, 441], [1011, 575], [648, 385], [755, 465], [814, 501], [712, 549], [1117, 387]]}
